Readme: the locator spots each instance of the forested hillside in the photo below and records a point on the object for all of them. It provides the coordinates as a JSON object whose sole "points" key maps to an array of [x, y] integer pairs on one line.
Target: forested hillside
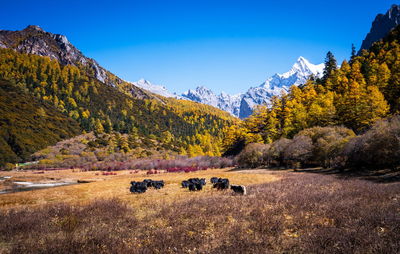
{"points": [[28, 124], [102, 108], [360, 92]]}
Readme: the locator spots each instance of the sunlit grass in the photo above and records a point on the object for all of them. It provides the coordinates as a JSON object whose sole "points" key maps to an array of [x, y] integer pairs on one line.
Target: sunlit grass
{"points": [[296, 213], [118, 186]]}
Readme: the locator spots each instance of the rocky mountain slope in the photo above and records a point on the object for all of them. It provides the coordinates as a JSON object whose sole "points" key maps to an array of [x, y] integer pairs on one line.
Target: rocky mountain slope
{"points": [[34, 40], [381, 26]]}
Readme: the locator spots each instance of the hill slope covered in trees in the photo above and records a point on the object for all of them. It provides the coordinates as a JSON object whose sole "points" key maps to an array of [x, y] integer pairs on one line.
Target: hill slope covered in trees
{"points": [[75, 90], [28, 124], [360, 92]]}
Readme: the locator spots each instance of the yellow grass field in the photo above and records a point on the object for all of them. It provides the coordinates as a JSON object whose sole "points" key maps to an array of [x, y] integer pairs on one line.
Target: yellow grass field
{"points": [[118, 186]]}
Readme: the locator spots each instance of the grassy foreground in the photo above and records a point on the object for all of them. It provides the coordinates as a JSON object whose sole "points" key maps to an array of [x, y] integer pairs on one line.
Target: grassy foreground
{"points": [[289, 213]]}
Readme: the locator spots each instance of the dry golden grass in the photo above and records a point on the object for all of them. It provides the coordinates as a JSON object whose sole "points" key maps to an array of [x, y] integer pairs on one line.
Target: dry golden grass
{"points": [[299, 213], [118, 187]]}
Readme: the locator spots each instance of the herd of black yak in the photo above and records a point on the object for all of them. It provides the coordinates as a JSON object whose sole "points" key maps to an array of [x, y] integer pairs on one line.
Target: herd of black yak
{"points": [[193, 184]]}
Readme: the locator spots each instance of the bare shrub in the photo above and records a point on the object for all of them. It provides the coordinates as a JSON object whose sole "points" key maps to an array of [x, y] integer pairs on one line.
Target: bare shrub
{"points": [[276, 152], [298, 151], [377, 148], [179, 164], [253, 155]]}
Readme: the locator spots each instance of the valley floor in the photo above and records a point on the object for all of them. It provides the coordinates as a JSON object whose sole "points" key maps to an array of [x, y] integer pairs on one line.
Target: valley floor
{"points": [[284, 212], [115, 186]]}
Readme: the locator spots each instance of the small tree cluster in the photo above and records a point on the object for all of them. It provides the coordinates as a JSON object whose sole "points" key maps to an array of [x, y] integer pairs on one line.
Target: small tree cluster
{"points": [[314, 146]]}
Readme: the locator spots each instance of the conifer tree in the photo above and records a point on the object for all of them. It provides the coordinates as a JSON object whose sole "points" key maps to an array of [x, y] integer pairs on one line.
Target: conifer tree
{"points": [[353, 52], [330, 66]]}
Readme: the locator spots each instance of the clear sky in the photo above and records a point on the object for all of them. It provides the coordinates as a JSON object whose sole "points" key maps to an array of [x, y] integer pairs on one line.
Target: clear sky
{"points": [[224, 45]]}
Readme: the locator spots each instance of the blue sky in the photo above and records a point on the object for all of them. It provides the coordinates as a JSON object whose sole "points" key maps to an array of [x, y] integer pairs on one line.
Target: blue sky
{"points": [[224, 45]]}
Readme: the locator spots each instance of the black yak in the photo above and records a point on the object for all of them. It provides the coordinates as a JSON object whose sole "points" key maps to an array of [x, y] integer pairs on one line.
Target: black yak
{"points": [[241, 189], [222, 184], [138, 187]]}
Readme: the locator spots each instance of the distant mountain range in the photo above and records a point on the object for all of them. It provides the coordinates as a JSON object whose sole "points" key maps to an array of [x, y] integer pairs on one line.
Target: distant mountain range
{"points": [[34, 40], [242, 105]]}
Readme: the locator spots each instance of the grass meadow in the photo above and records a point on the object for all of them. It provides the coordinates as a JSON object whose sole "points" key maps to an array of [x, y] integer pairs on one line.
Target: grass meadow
{"points": [[284, 212]]}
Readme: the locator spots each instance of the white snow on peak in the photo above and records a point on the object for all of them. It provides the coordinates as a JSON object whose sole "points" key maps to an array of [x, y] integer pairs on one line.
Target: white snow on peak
{"points": [[297, 75], [157, 89], [242, 105], [301, 70], [223, 101]]}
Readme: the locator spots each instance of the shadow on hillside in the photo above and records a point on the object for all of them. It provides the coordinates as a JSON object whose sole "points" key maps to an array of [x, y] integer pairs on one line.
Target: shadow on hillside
{"points": [[379, 176]]}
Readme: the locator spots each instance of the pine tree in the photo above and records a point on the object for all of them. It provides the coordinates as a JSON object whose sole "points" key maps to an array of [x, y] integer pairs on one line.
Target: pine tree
{"points": [[353, 52], [330, 66]]}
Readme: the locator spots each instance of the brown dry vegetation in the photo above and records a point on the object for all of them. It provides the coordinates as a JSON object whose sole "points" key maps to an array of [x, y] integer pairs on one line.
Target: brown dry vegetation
{"points": [[297, 213]]}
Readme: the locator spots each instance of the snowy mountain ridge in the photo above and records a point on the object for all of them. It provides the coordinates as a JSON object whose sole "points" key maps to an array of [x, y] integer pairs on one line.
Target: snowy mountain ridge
{"points": [[278, 83], [224, 101], [157, 89], [242, 105]]}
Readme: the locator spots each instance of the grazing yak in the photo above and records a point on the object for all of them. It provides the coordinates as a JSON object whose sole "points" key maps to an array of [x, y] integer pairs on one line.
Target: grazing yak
{"points": [[194, 184], [141, 187], [241, 189], [148, 182], [185, 184], [214, 180], [221, 184], [157, 184], [138, 187]]}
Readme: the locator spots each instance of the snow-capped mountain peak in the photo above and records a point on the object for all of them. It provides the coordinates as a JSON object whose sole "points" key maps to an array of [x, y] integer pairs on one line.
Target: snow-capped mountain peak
{"points": [[242, 105], [278, 83], [224, 101], [303, 66], [203, 95], [157, 89]]}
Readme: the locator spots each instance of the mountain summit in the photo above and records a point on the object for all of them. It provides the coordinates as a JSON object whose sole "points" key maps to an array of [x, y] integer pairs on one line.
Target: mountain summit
{"points": [[242, 105], [301, 70], [381, 26]]}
